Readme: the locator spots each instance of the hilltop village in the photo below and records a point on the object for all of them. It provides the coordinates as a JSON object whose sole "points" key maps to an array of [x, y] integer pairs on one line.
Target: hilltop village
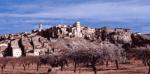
{"points": [[47, 41]]}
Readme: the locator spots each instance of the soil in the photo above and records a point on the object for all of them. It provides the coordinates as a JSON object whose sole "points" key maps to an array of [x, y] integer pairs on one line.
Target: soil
{"points": [[134, 67]]}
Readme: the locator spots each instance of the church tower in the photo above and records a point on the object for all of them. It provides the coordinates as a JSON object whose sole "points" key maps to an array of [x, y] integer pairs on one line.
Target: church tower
{"points": [[77, 29], [40, 27]]}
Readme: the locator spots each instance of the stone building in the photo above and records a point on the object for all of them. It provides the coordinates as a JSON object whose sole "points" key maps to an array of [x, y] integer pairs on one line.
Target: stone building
{"points": [[76, 30], [40, 27], [26, 45], [122, 37], [3, 47], [121, 30], [88, 33], [38, 46], [62, 30], [16, 50]]}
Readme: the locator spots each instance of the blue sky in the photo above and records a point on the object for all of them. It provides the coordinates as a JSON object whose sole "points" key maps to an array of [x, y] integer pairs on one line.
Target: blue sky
{"points": [[24, 15]]}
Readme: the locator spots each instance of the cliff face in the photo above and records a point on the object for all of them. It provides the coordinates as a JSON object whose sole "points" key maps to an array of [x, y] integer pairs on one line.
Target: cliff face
{"points": [[60, 38]]}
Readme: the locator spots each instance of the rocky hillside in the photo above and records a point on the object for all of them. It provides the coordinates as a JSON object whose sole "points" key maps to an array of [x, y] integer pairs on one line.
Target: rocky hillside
{"points": [[55, 40]]}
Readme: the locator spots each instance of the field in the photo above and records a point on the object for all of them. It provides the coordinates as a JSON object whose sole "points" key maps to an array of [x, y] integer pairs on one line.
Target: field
{"points": [[135, 67]]}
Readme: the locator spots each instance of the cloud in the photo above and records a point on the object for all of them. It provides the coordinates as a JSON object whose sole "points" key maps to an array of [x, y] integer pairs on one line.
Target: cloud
{"points": [[118, 12], [109, 11]]}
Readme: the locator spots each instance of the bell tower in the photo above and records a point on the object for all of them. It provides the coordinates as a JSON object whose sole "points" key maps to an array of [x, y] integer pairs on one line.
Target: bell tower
{"points": [[40, 27]]}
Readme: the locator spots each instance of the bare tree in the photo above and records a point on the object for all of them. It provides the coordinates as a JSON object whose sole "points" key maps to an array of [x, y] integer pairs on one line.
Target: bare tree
{"points": [[3, 63], [142, 53], [13, 62], [112, 52], [85, 56], [53, 60], [84, 52], [35, 60], [25, 61]]}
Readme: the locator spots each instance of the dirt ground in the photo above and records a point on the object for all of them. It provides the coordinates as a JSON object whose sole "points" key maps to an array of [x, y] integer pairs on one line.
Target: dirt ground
{"points": [[135, 67]]}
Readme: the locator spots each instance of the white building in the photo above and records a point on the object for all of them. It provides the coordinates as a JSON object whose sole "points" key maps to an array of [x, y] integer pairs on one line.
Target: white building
{"points": [[16, 52], [2, 49], [38, 52], [77, 30], [40, 27]]}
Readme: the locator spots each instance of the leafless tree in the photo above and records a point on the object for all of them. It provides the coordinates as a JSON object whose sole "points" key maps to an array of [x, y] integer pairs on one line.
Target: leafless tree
{"points": [[53, 60], [35, 60], [142, 53], [3, 63], [25, 61], [13, 62], [84, 52], [112, 52], [85, 56]]}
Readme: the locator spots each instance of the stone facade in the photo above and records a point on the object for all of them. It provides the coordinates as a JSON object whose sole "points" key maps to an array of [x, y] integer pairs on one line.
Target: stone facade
{"points": [[3, 47], [76, 30], [26, 43], [16, 50]]}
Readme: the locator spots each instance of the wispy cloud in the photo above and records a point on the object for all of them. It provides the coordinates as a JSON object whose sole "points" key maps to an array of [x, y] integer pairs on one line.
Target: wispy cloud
{"points": [[129, 12], [109, 11]]}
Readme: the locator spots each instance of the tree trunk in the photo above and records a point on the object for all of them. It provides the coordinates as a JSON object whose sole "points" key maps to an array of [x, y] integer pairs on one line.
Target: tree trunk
{"points": [[79, 70], [117, 64], [107, 63], [66, 62], [28, 65], [94, 68], [75, 65], [62, 67], [148, 63], [13, 67], [49, 70], [2, 68], [37, 67], [93, 63], [24, 67], [148, 69]]}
